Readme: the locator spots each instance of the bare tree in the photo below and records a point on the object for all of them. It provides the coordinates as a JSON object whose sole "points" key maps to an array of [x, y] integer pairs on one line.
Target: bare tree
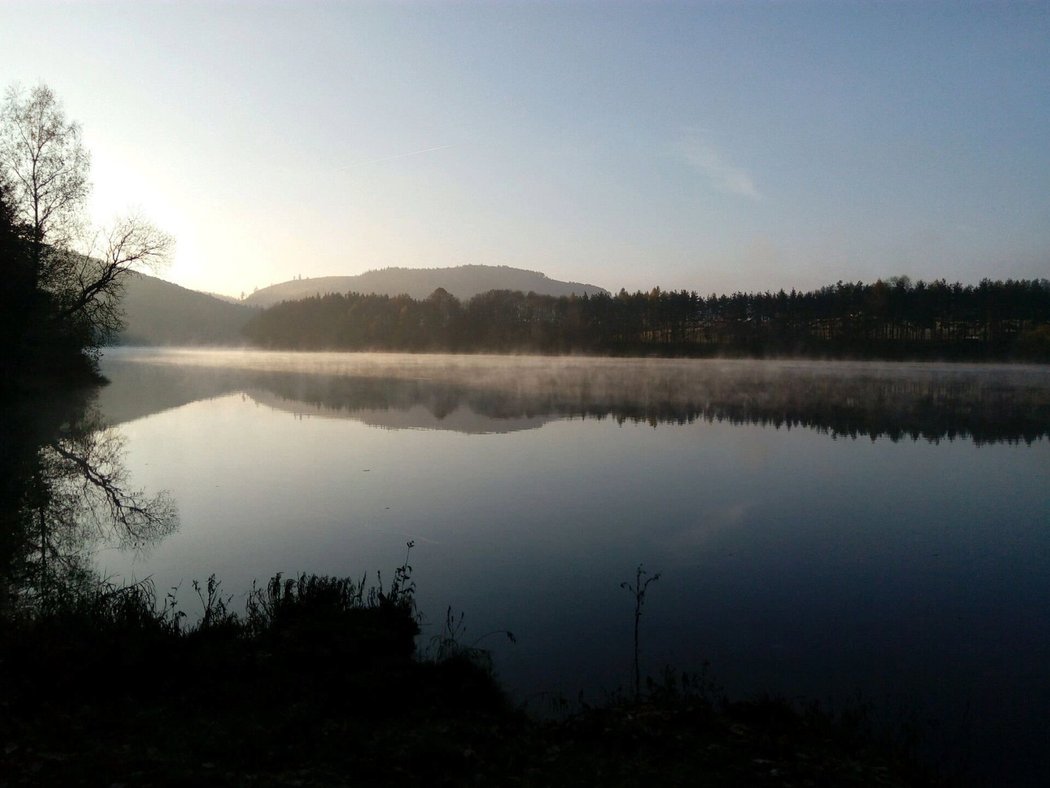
{"points": [[95, 281], [44, 171], [45, 167]]}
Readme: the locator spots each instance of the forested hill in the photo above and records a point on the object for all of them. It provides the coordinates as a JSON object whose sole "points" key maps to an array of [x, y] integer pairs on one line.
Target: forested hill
{"points": [[892, 320], [464, 282], [162, 313]]}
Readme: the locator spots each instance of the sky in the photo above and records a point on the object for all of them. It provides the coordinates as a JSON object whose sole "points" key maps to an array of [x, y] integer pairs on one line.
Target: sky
{"points": [[708, 146]]}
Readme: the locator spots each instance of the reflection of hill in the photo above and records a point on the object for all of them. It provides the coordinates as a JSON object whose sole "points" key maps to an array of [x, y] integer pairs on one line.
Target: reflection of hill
{"points": [[487, 394], [139, 390], [405, 417]]}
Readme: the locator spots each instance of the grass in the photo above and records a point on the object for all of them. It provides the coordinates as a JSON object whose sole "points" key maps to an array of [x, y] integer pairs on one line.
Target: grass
{"points": [[319, 682]]}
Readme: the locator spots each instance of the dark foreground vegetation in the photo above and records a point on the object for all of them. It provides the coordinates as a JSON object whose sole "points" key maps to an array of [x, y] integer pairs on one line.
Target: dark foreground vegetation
{"points": [[891, 320], [319, 682]]}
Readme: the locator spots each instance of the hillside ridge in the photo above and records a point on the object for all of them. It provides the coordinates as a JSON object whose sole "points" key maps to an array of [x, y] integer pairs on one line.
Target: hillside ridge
{"points": [[158, 312], [463, 281]]}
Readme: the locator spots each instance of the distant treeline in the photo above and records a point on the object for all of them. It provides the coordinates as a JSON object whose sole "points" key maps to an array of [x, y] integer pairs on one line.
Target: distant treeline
{"points": [[887, 319]]}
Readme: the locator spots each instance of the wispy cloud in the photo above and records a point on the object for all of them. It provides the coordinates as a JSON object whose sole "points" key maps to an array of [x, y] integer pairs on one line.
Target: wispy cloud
{"points": [[723, 175]]}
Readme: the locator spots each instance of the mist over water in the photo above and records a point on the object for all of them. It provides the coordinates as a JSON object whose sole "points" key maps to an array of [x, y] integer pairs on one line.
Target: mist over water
{"points": [[491, 393], [822, 529]]}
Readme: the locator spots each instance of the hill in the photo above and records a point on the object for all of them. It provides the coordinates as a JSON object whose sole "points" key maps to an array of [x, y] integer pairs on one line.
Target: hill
{"points": [[463, 281], [161, 313]]}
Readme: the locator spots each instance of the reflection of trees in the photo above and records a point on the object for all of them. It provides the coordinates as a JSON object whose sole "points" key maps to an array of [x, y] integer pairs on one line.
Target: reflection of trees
{"points": [[66, 490], [912, 406], [930, 402], [89, 489]]}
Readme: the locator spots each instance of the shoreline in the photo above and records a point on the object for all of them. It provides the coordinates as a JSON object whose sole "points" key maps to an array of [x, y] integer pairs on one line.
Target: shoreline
{"points": [[320, 683]]}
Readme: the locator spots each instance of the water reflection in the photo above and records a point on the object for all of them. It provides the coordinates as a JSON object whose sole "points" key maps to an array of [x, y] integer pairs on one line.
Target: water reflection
{"points": [[912, 572], [66, 491], [477, 394]]}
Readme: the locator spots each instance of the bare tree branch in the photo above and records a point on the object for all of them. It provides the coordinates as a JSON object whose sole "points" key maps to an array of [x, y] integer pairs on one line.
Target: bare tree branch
{"points": [[97, 281], [44, 169]]}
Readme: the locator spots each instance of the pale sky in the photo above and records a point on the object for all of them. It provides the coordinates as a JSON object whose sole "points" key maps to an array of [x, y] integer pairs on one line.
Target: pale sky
{"points": [[711, 146]]}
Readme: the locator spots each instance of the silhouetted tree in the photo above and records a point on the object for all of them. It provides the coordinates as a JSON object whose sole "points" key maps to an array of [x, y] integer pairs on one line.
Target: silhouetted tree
{"points": [[65, 285], [46, 168], [17, 296]]}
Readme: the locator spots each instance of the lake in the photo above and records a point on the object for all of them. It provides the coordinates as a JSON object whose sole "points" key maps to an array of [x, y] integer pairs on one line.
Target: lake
{"points": [[826, 531]]}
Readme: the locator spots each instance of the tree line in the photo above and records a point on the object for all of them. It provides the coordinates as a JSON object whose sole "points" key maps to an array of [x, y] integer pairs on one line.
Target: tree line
{"points": [[888, 319]]}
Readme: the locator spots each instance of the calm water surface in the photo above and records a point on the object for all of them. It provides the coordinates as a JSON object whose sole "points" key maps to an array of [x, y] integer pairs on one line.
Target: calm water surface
{"points": [[821, 530]]}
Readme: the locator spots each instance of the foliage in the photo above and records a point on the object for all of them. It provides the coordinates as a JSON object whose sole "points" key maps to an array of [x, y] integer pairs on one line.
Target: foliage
{"points": [[452, 642], [895, 319], [45, 167], [104, 684], [64, 283], [289, 618]]}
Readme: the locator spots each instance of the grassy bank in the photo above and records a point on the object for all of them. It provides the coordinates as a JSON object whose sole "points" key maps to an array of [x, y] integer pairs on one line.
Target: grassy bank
{"points": [[319, 682]]}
